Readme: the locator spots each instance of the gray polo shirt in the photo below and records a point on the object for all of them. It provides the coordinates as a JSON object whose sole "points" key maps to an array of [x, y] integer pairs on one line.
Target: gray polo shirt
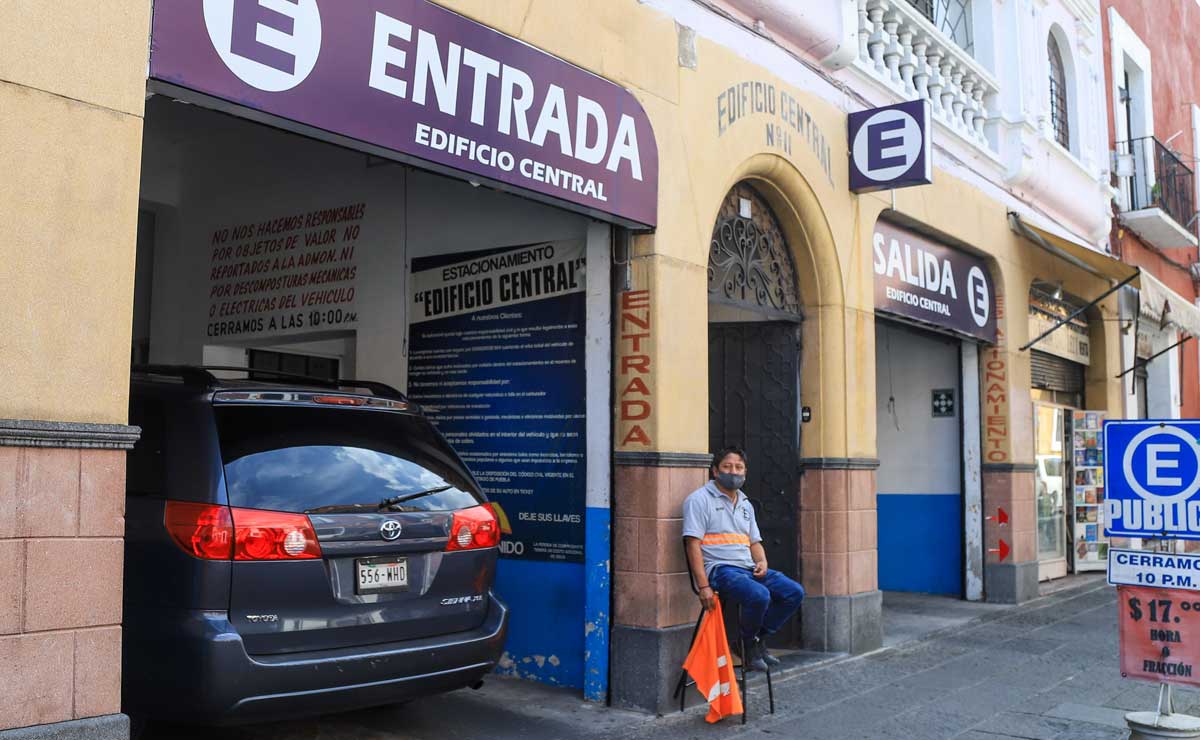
{"points": [[725, 529]]}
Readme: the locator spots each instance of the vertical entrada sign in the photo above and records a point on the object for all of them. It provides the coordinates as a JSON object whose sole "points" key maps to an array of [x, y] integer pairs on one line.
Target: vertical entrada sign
{"points": [[424, 82], [890, 147], [921, 279]]}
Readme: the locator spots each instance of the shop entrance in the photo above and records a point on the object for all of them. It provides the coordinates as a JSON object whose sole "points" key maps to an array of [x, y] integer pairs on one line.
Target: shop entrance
{"points": [[1065, 438], [754, 365], [1050, 483]]}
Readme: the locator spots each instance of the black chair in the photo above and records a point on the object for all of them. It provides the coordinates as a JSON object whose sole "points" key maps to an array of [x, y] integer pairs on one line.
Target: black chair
{"points": [[685, 681]]}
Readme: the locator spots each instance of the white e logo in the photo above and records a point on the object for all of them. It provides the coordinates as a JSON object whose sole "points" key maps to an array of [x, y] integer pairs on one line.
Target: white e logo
{"points": [[272, 45], [887, 145], [977, 295]]}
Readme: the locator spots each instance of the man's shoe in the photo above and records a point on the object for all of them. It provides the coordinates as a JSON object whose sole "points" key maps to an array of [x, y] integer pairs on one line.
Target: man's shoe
{"points": [[753, 660], [769, 659]]}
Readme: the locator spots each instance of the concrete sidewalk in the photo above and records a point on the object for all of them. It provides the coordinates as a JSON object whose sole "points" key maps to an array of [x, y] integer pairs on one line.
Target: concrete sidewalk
{"points": [[1046, 670]]}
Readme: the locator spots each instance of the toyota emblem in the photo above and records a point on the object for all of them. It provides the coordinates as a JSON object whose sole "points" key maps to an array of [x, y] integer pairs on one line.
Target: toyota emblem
{"points": [[390, 529]]}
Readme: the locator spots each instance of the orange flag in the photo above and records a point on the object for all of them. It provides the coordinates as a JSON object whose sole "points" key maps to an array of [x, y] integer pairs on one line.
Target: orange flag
{"points": [[711, 667]]}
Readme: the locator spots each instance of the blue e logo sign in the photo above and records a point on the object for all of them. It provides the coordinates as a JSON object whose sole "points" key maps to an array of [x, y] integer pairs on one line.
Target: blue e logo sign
{"points": [[889, 147]]}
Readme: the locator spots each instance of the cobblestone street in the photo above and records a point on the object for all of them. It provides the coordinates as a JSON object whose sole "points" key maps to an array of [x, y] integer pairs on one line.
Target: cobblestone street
{"points": [[1046, 670]]}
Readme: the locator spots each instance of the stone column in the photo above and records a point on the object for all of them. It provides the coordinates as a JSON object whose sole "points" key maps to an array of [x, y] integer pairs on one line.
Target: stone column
{"points": [[62, 500], [660, 434], [1007, 470], [654, 608], [1014, 578], [843, 608]]}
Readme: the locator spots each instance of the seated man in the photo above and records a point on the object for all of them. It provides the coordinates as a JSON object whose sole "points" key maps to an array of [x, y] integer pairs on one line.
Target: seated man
{"points": [[725, 553]]}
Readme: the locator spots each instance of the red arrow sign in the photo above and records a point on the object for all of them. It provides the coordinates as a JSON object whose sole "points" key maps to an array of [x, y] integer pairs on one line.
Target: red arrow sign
{"points": [[1003, 550], [1001, 516]]}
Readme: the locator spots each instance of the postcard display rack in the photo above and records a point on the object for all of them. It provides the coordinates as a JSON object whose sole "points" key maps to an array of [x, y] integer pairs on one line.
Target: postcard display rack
{"points": [[1089, 544]]}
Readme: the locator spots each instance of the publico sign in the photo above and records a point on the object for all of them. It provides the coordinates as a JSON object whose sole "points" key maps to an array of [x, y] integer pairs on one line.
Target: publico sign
{"points": [[416, 79], [1152, 473], [918, 278]]}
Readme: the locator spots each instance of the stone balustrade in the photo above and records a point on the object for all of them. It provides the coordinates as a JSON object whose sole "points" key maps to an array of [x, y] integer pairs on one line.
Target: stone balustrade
{"points": [[901, 48]]}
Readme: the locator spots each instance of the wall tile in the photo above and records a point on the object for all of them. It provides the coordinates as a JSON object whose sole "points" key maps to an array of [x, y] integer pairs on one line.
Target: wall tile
{"points": [[812, 575], [836, 531], [102, 493], [635, 490], [811, 491], [36, 679], [72, 583], [97, 672], [636, 599], [862, 490], [12, 585], [836, 490], [48, 493], [812, 532], [625, 543], [864, 571], [11, 459], [863, 533], [836, 574]]}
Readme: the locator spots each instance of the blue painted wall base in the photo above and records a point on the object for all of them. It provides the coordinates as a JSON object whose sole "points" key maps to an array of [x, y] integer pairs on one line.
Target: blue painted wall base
{"points": [[545, 632], [920, 543]]}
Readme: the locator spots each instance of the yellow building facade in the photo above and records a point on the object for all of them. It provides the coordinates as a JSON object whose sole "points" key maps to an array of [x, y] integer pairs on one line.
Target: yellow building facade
{"points": [[70, 145]]}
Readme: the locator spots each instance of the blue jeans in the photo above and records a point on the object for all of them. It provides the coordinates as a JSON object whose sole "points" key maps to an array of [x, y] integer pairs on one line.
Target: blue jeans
{"points": [[767, 602]]}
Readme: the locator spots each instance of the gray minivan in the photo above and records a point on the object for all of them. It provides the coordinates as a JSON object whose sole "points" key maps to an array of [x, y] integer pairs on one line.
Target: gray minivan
{"points": [[295, 547]]}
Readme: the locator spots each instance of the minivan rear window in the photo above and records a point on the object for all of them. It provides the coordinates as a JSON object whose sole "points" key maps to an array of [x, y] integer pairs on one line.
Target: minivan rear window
{"points": [[302, 459]]}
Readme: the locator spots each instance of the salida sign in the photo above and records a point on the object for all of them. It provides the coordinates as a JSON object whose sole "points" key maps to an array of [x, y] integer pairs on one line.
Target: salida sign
{"points": [[921, 279], [417, 79]]}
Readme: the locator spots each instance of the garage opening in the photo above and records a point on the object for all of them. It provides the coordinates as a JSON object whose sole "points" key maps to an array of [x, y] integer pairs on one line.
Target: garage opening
{"points": [[264, 249]]}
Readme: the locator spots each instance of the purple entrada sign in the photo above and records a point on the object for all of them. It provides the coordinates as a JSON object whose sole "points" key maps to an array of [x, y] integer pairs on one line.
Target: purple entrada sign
{"points": [[417, 79], [890, 147]]}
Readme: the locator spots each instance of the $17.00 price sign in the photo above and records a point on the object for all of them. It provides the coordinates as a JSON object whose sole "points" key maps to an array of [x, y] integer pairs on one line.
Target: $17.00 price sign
{"points": [[1160, 634]]}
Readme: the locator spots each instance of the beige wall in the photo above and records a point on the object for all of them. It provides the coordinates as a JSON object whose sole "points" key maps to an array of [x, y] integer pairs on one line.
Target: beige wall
{"points": [[72, 82]]}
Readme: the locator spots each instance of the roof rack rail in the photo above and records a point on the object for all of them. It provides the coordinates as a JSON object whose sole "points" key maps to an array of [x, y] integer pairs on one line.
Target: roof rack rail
{"points": [[203, 374]]}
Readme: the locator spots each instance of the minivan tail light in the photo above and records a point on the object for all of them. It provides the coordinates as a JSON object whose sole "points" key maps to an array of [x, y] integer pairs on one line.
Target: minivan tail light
{"points": [[273, 535], [473, 529], [203, 531], [212, 532]]}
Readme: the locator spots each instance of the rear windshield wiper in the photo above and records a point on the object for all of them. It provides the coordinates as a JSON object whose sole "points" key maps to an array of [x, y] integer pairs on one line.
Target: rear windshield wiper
{"points": [[389, 502], [382, 505]]}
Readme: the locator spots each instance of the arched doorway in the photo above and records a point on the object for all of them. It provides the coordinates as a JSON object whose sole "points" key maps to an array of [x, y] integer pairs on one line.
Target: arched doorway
{"points": [[754, 363]]}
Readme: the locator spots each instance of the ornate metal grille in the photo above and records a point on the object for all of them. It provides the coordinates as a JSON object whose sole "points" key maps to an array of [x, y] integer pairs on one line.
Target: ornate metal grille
{"points": [[952, 17], [749, 263], [1058, 95]]}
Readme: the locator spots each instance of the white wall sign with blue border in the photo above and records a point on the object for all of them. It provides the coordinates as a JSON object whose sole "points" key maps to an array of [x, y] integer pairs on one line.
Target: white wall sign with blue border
{"points": [[1152, 477], [1160, 569], [891, 147]]}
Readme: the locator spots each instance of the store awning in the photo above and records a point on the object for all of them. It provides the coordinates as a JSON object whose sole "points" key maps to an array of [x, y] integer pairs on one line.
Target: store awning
{"points": [[1157, 299], [1082, 256], [1116, 272]]}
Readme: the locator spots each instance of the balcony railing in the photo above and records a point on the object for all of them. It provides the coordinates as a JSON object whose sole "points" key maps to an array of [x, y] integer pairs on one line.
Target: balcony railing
{"points": [[900, 47], [1159, 180]]}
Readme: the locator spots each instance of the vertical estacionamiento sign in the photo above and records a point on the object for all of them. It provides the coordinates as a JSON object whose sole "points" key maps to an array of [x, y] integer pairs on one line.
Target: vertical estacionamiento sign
{"points": [[496, 350]]}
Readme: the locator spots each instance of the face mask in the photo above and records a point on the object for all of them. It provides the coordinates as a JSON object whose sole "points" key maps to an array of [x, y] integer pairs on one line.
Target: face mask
{"points": [[731, 481]]}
